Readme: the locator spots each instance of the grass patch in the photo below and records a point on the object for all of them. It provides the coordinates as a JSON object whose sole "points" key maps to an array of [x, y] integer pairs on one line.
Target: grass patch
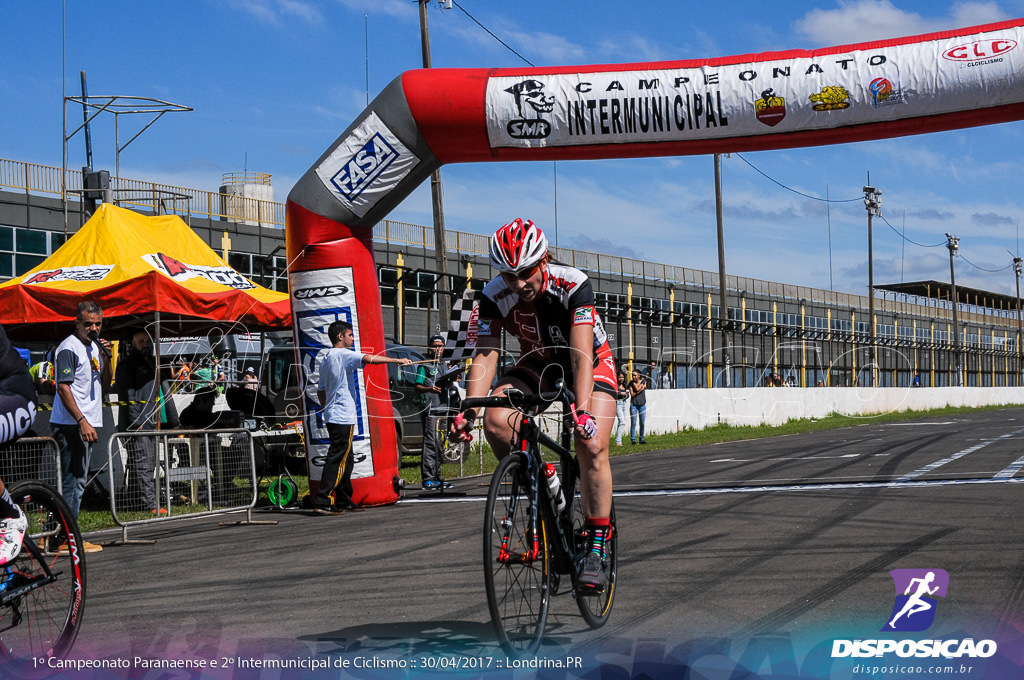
{"points": [[95, 512]]}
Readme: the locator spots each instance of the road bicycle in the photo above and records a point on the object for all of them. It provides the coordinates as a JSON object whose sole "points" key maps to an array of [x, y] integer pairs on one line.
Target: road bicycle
{"points": [[531, 550], [42, 591]]}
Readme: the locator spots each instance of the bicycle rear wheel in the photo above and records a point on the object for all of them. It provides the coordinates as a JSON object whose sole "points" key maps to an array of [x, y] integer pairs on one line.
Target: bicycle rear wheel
{"points": [[595, 608], [516, 571], [43, 592]]}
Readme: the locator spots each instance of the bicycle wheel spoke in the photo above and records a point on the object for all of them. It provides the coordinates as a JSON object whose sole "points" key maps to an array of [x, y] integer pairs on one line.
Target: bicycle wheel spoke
{"points": [[517, 576]]}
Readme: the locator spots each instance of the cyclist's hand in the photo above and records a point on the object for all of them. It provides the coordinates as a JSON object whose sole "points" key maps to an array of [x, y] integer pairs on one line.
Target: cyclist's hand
{"points": [[586, 425], [462, 428]]}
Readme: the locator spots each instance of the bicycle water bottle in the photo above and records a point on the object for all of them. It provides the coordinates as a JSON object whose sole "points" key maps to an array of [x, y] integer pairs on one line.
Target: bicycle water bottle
{"points": [[555, 486]]}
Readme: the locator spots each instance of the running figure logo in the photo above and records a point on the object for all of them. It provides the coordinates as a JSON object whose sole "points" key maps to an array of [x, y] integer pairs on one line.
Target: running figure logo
{"points": [[916, 590]]}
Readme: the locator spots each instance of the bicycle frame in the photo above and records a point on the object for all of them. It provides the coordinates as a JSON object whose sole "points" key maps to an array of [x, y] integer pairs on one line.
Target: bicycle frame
{"points": [[529, 441]]}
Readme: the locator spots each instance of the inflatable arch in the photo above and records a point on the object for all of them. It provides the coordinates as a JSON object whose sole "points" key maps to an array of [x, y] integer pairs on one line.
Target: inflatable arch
{"points": [[426, 118]]}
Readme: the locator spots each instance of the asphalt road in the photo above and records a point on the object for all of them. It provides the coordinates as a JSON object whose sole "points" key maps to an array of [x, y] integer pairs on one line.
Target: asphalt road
{"points": [[752, 555]]}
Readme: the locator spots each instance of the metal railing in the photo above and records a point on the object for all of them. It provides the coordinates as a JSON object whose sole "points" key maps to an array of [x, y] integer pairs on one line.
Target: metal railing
{"points": [[187, 472], [35, 458]]}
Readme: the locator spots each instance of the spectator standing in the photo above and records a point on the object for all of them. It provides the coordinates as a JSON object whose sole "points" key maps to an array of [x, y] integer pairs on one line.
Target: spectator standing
{"points": [[82, 372], [435, 391], [337, 366], [666, 381], [250, 381], [621, 406], [135, 382], [637, 405]]}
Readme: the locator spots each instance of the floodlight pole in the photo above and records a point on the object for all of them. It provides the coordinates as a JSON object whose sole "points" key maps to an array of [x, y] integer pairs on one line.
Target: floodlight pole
{"points": [[723, 309], [1017, 267], [873, 204], [440, 245], [953, 243]]}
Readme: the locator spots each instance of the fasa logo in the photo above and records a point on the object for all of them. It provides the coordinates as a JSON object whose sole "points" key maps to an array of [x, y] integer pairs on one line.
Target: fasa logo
{"points": [[916, 590], [365, 165]]}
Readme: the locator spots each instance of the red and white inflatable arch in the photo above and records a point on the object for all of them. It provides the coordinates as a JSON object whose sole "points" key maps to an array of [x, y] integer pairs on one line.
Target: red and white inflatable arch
{"points": [[427, 118]]}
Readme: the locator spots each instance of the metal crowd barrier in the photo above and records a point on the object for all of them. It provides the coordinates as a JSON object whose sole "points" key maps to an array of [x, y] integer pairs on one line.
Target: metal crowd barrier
{"points": [[36, 458], [193, 473]]}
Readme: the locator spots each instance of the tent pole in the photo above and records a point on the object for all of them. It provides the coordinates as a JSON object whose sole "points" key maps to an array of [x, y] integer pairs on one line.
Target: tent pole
{"points": [[159, 382]]}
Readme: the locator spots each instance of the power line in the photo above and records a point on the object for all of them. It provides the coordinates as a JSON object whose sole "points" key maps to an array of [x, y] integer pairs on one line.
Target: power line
{"points": [[507, 46], [910, 240], [1001, 269], [787, 188]]}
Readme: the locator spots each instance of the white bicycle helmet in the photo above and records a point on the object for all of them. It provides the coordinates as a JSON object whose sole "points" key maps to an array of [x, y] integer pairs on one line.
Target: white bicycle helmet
{"points": [[517, 246]]}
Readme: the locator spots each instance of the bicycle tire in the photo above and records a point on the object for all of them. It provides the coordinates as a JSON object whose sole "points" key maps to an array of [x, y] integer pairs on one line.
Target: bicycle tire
{"points": [[281, 492], [50, 614], [518, 586], [595, 609]]}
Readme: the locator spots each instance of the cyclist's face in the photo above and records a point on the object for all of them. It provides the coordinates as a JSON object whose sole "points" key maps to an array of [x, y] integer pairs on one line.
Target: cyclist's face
{"points": [[527, 284]]}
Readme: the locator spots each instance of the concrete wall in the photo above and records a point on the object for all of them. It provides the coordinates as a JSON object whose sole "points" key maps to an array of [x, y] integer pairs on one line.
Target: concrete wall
{"points": [[675, 410]]}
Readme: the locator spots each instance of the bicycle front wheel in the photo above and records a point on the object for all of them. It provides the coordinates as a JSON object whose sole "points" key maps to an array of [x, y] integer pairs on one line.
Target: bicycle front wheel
{"points": [[42, 596], [516, 566]]}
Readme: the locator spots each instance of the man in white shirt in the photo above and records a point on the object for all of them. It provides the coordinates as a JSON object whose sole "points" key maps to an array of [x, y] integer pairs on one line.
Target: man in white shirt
{"points": [[337, 367], [82, 372]]}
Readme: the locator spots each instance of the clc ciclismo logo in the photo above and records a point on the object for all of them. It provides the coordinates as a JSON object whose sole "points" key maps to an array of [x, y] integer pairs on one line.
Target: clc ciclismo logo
{"points": [[914, 610]]}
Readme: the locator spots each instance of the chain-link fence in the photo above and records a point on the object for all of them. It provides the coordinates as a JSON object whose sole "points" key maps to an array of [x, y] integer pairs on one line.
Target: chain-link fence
{"points": [[36, 458]]}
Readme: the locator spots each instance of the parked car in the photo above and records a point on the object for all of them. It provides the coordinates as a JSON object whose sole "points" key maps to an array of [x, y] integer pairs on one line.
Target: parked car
{"points": [[280, 377]]}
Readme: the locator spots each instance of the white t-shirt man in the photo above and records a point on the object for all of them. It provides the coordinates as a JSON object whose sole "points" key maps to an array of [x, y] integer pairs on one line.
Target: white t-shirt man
{"points": [[337, 370], [79, 365]]}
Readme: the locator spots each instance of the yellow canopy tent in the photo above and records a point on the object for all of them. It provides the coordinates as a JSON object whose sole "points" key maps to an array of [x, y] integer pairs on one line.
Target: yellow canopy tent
{"points": [[137, 267]]}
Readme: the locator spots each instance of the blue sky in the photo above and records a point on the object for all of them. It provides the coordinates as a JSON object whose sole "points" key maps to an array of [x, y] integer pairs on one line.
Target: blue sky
{"points": [[274, 82]]}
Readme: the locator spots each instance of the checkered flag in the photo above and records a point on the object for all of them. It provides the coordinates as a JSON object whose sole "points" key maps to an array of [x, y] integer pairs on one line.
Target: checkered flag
{"points": [[462, 327]]}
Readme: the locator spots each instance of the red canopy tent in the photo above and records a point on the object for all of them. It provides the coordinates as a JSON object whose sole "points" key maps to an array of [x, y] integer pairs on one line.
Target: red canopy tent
{"points": [[138, 268]]}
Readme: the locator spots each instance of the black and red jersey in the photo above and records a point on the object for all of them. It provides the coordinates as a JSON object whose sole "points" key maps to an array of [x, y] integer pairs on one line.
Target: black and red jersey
{"points": [[542, 325]]}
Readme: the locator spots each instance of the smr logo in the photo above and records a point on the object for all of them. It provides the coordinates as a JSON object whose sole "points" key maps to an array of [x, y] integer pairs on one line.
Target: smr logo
{"points": [[916, 590], [529, 94]]}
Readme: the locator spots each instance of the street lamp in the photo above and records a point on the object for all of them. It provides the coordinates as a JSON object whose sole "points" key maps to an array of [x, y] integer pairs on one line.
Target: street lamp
{"points": [[953, 243], [873, 204], [440, 245]]}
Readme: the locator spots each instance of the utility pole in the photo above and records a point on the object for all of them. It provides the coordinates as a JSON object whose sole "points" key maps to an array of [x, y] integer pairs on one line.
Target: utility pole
{"points": [[873, 204], [1017, 271], [440, 245], [723, 309], [953, 243]]}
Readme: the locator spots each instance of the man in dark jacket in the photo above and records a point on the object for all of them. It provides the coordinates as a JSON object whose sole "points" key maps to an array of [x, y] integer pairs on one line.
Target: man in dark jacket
{"points": [[135, 382]]}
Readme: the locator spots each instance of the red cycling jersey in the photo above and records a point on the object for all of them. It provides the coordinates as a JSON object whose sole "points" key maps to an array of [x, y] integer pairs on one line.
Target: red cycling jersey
{"points": [[542, 326]]}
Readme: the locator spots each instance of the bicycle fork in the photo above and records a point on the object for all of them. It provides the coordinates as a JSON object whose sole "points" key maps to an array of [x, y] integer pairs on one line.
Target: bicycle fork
{"points": [[532, 538]]}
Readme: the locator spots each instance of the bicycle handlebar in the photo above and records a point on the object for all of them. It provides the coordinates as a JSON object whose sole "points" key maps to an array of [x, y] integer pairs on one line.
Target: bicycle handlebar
{"points": [[517, 399]]}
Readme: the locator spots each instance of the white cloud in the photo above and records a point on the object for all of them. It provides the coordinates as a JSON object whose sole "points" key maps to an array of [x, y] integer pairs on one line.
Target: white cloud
{"points": [[278, 11], [863, 20]]}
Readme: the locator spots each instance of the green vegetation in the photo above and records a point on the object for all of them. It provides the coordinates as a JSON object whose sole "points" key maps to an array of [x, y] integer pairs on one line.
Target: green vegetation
{"points": [[95, 513]]}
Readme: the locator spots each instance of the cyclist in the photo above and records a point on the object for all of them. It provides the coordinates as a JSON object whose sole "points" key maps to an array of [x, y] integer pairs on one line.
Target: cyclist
{"points": [[549, 308], [17, 412]]}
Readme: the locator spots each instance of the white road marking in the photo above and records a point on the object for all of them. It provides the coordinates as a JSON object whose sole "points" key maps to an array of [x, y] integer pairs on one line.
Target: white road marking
{"points": [[956, 456]]}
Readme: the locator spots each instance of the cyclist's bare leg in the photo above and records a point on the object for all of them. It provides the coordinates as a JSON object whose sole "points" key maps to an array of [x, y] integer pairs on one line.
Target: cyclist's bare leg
{"points": [[595, 471], [499, 422]]}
